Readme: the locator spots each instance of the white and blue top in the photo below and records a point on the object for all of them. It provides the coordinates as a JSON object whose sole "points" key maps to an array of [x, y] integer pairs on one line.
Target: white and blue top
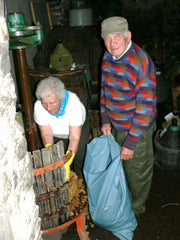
{"points": [[72, 113]]}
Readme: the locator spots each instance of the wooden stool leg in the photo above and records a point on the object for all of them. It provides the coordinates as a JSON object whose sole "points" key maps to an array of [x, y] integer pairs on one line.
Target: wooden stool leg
{"points": [[80, 224]]}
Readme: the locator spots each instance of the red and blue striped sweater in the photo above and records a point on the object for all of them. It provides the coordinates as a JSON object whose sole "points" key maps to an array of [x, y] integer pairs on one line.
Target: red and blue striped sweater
{"points": [[128, 93]]}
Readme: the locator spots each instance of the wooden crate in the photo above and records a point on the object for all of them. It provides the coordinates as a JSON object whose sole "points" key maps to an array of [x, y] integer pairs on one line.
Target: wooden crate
{"points": [[94, 119]]}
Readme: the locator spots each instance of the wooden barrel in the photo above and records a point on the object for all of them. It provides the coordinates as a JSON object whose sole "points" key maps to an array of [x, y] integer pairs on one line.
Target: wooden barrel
{"points": [[54, 195], [51, 186], [73, 80]]}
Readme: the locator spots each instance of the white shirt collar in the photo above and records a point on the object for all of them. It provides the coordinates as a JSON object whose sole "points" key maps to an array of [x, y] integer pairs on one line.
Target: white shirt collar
{"points": [[129, 45]]}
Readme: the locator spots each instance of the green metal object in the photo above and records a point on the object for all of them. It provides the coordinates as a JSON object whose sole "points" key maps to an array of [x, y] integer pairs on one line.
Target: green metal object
{"points": [[21, 35]]}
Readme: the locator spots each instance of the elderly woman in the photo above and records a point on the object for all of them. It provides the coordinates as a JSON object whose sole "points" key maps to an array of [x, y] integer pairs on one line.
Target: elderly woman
{"points": [[59, 114]]}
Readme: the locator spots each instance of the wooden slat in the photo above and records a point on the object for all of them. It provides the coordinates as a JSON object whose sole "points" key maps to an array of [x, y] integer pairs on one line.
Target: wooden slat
{"points": [[38, 163], [41, 186], [35, 181], [61, 205], [65, 197], [36, 191], [55, 158], [46, 158], [66, 201], [60, 150]]}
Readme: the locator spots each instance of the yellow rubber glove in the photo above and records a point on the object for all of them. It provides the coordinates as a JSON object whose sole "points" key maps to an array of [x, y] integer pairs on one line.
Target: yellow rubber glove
{"points": [[48, 145], [68, 164]]}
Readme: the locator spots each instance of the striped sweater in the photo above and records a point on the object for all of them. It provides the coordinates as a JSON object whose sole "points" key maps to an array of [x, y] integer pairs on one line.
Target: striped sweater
{"points": [[128, 93]]}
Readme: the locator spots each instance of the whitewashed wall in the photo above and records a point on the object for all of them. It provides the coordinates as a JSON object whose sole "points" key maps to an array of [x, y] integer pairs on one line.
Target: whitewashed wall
{"points": [[19, 218]]}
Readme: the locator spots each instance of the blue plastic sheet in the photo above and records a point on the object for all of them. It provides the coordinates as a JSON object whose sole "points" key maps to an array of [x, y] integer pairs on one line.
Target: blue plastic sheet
{"points": [[108, 194]]}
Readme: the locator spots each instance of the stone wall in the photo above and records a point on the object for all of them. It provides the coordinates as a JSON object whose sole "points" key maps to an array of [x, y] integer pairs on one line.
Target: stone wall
{"points": [[19, 214]]}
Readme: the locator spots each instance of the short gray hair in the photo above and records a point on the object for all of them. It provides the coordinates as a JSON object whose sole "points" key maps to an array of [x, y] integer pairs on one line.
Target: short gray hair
{"points": [[50, 85]]}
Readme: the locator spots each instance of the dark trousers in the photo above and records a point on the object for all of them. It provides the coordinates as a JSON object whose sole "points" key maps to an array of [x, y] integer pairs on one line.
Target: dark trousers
{"points": [[139, 169]]}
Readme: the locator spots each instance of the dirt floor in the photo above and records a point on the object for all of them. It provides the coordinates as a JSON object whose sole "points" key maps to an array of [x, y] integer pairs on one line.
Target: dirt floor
{"points": [[161, 221]]}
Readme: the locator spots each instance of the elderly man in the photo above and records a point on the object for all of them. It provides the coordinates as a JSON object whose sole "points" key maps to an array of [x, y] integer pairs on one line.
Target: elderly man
{"points": [[128, 105], [60, 115]]}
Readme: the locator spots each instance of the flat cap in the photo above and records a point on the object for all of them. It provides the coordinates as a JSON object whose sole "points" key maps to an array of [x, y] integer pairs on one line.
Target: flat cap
{"points": [[113, 25]]}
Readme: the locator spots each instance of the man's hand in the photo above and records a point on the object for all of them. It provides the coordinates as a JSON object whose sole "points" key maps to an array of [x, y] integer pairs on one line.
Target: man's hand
{"points": [[126, 153], [106, 129]]}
